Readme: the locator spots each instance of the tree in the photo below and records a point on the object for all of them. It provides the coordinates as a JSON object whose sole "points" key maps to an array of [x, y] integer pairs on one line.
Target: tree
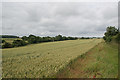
{"points": [[110, 32], [3, 41], [32, 39], [64, 38], [58, 38], [76, 38], [35, 39], [82, 38], [17, 43], [8, 36], [25, 38], [117, 37]]}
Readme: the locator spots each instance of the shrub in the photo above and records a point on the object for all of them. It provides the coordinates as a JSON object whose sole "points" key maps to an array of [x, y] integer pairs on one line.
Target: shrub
{"points": [[25, 38], [82, 38], [108, 39], [110, 33], [7, 45], [3, 41], [17, 43], [117, 38], [58, 38], [32, 39]]}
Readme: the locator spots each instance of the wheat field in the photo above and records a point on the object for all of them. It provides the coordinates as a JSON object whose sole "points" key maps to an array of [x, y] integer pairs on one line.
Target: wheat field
{"points": [[43, 59]]}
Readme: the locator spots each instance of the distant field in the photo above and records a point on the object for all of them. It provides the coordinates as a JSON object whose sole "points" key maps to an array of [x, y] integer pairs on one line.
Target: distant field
{"points": [[44, 59], [10, 40]]}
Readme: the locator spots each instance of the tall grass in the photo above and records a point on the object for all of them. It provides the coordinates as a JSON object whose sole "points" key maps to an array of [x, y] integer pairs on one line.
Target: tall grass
{"points": [[99, 62]]}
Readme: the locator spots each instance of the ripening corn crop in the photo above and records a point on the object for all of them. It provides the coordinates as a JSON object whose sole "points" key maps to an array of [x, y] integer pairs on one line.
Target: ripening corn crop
{"points": [[43, 59]]}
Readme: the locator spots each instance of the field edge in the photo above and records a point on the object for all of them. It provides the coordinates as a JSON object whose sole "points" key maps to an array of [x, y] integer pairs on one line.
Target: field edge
{"points": [[74, 60]]}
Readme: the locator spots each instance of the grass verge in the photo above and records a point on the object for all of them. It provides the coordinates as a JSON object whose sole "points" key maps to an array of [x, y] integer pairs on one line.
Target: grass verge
{"points": [[100, 62]]}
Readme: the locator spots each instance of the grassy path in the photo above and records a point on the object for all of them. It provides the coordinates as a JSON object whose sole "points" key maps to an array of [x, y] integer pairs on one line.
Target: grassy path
{"points": [[99, 62]]}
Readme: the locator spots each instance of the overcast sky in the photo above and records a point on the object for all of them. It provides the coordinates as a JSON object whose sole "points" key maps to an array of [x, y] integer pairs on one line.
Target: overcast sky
{"points": [[53, 18]]}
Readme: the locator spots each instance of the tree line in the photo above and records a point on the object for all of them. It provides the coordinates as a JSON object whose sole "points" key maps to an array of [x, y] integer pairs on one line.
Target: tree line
{"points": [[8, 36], [32, 39], [112, 34]]}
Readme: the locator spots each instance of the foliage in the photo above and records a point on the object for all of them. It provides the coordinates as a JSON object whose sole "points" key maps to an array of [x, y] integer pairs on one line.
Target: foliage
{"points": [[36, 39], [17, 43], [118, 37], [24, 38], [110, 32], [7, 45], [58, 38], [10, 40], [8, 36], [3, 41], [87, 37], [32, 39]]}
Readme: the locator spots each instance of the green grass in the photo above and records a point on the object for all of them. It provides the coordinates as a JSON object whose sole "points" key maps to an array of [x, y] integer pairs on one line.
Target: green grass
{"points": [[44, 59], [101, 62]]}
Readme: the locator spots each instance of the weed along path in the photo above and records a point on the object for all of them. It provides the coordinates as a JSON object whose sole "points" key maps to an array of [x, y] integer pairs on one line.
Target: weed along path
{"points": [[99, 62], [44, 59]]}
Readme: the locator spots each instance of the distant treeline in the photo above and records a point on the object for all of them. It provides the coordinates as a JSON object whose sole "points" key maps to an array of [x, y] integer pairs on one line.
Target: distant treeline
{"points": [[8, 36], [32, 39], [112, 34], [90, 37]]}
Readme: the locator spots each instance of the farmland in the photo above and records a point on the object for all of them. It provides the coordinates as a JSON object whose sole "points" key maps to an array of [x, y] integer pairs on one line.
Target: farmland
{"points": [[44, 59], [100, 62], [10, 40]]}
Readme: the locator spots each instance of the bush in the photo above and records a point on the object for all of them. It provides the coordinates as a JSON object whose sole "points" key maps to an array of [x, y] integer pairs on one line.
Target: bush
{"points": [[25, 38], [58, 38], [104, 37], [110, 33], [32, 39], [109, 39], [17, 43], [117, 38], [3, 41], [82, 38], [7, 45]]}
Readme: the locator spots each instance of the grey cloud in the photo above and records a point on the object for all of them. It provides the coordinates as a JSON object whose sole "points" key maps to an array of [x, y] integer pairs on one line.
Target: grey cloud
{"points": [[50, 19]]}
